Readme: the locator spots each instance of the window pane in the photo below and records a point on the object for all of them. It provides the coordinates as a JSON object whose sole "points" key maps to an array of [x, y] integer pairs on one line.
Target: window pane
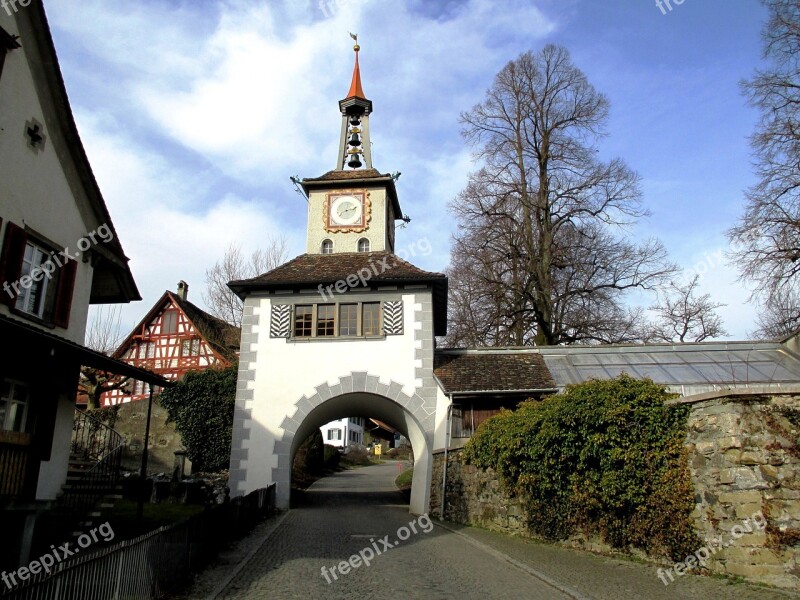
{"points": [[186, 346], [170, 322], [302, 321], [32, 298], [326, 320], [370, 318], [363, 245], [348, 319]]}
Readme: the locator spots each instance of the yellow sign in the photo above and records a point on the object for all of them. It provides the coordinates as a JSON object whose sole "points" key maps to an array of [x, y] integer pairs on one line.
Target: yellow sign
{"points": [[378, 450]]}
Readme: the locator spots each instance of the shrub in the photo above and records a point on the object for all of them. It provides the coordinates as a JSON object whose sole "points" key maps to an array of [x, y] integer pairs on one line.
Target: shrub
{"points": [[201, 405], [309, 459], [332, 456], [605, 458], [356, 454]]}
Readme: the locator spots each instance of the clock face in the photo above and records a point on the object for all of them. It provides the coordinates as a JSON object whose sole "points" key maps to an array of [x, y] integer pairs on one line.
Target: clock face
{"points": [[347, 211]]}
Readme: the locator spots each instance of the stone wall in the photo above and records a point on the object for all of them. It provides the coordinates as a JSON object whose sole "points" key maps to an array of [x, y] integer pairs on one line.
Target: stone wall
{"points": [[474, 496], [164, 440], [745, 465]]}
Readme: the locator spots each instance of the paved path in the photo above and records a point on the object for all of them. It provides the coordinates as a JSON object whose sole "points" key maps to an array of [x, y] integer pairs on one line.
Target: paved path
{"points": [[360, 511]]}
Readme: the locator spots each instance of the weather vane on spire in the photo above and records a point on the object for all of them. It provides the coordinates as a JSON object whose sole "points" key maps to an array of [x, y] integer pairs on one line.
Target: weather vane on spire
{"points": [[355, 37]]}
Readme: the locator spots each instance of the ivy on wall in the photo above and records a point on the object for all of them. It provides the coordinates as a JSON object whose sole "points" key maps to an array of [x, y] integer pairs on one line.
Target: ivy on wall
{"points": [[201, 405], [604, 458]]}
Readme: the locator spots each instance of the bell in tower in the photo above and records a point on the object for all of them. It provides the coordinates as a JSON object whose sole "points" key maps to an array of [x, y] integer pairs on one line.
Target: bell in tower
{"points": [[355, 151]]}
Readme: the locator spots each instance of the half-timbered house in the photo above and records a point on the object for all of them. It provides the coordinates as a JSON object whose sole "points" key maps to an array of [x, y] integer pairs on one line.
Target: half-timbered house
{"points": [[175, 337]]}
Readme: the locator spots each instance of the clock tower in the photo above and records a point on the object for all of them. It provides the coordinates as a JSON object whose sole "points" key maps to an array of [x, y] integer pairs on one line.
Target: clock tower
{"points": [[354, 207], [345, 330]]}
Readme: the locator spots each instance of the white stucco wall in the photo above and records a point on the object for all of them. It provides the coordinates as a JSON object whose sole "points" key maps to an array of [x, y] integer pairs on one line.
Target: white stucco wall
{"points": [[53, 472], [40, 191], [42, 199], [280, 385]]}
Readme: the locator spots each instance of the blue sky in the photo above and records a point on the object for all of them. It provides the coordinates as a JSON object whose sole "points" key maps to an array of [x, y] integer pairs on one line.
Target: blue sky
{"points": [[195, 114]]}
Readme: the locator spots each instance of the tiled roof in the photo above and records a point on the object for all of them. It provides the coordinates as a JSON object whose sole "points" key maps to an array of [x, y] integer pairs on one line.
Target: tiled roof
{"points": [[491, 371], [385, 268], [313, 269], [346, 175]]}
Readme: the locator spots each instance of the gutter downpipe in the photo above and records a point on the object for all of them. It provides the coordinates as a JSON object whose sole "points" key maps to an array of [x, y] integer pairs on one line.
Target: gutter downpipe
{"points": [[448, 434]]}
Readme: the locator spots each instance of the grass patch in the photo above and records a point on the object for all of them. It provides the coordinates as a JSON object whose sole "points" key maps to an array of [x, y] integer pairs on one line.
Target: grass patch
{"points": [[403, 481], [123, 517]]}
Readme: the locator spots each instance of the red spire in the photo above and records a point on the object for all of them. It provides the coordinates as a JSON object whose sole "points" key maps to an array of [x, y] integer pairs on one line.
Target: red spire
{"points": [[356, 91]]}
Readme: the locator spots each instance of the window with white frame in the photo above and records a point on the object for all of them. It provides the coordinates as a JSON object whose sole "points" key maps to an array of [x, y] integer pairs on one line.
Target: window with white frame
{"points": [[363, 245], [34, 298], [334, 434], [14, 401], [326, 247]]}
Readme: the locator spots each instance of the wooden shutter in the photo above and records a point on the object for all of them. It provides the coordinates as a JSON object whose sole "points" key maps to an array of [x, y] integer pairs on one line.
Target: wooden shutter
{"points": [[11, 261], [66, 285]]}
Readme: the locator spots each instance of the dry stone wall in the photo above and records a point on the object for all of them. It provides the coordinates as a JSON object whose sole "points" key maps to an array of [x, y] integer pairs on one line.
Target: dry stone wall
{"points": [[745, 466]]}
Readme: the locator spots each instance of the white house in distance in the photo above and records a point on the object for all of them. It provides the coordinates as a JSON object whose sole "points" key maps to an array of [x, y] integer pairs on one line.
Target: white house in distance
{"points": [[344, 432]]}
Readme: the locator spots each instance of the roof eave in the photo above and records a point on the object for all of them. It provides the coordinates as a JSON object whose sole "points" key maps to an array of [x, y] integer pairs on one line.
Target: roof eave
{"points": [[388, 181], [438, 284], [33, 24]]}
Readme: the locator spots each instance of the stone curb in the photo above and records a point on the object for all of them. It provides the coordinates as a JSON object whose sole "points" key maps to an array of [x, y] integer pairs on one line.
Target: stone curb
{"points": [[514, 562], [243, 563]]}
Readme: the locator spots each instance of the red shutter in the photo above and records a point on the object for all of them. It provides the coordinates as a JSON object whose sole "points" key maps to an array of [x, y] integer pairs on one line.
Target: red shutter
{"points": [[66, 285], [11, 261]]}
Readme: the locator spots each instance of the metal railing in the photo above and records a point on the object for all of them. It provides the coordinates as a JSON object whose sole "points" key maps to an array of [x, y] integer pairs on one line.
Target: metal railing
{"points": [[99, 448], [152, 565]]}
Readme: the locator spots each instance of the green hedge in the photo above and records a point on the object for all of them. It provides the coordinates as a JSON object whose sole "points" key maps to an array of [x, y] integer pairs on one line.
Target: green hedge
{"points": [[605, 457], [201, 405]]}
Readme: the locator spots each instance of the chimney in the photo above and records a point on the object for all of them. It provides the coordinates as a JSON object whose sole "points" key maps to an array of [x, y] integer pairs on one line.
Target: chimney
{"points": [[183, 290]]}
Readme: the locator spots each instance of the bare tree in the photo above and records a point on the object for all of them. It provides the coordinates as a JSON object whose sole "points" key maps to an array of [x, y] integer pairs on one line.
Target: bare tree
{"points": [[683, 316], [103, 335], [780, 315], [540, 248], [766, 238], [219, 298]]}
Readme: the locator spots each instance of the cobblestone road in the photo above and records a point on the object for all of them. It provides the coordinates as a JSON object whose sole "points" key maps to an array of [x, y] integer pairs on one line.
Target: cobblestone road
{"points": [[354, 510]]}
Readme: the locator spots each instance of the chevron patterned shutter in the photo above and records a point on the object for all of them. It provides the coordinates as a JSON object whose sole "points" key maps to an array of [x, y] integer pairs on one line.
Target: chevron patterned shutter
{"points": [[393, 317], [281, 320]]}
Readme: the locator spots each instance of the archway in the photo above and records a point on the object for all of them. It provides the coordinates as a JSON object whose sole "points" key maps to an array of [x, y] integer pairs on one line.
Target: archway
{"points": [[365, 404]]}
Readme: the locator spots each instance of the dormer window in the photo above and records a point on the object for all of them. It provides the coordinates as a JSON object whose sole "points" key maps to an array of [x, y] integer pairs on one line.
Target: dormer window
{"points": [[327, 247], [363, 245]]}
